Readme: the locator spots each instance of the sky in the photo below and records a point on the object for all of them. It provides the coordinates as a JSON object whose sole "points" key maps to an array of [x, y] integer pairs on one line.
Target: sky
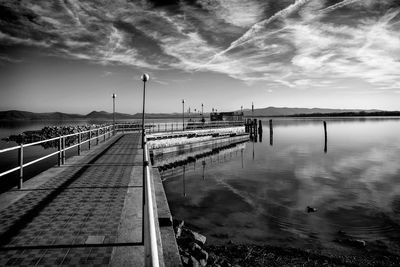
{"points": [[71, 56]]}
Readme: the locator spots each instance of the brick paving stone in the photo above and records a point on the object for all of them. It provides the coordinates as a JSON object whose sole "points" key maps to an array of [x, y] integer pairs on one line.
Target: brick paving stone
{"points": [[83, 201]]}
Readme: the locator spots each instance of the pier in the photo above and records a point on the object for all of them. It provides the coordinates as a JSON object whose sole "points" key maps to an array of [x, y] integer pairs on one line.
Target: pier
{"points": [[105, 206]]}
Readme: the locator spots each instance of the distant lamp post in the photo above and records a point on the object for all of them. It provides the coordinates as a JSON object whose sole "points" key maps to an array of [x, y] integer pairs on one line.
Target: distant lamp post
{"points": [[189, 113], [145, 77], [241, 109], [252, 109], [113, 97], [183, 114], [201, 109]]}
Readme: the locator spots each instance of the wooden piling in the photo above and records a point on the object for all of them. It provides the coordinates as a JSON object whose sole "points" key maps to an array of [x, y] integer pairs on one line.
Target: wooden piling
{"points": [[326, 138], [271, 133]]}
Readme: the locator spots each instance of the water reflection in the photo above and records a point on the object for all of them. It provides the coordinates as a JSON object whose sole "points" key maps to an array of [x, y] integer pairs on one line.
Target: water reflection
{"points": [[355, 187]]}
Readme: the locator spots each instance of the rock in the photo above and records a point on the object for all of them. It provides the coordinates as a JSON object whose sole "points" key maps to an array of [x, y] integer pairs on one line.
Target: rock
{"points": [[310, 209], [198, 252], [194, 262], [203, 262], [352, 242], [178, 224], [270, 255], [185, 260], [200, 239]]}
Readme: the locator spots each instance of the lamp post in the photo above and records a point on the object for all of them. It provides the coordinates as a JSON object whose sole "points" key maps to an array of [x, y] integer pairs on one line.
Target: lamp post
{"points": [[113, 97], [201, 109], [252, 109], [145, 77], [183, 114]]}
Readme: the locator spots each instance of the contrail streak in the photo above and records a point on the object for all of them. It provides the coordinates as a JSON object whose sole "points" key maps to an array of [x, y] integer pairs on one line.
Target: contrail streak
{"points": [[259, 25], [246, 37], [338, 5]]}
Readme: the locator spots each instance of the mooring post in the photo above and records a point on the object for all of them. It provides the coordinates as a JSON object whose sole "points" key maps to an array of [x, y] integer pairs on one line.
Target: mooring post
{"points": [[79, 143], [255, 128], [21, 165], [326, 138], [271, 133]]}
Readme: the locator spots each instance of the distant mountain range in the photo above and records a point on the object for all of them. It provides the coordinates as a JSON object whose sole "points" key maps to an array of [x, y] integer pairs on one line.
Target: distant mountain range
{"points": [[261, 112], [284, 111]]}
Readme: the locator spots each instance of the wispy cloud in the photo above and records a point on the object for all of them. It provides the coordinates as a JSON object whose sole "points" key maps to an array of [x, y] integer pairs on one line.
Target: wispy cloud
{"points": [[294, 44]]}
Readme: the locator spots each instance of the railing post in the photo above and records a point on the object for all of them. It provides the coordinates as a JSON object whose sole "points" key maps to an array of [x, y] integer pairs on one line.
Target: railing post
{"points": [[97, 137], [90, 137], [172, 125], [79, 143], [104, 134], [21, 165], [59, 151], [63, 151]]}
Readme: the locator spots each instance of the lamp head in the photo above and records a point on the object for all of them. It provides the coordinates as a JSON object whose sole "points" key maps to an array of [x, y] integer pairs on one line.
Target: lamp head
{"points": [[114, 95], [145, 77], [183, 101]]}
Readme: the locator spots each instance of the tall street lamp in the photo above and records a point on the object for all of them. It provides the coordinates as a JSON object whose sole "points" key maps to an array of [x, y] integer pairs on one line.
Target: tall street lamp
{"points": [[183, 114], [113, 97], [145, 77], [201, 109]]}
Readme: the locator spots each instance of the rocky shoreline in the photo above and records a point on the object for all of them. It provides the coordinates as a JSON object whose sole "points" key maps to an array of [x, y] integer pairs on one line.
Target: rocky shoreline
{"points": [[194, 252], [49, 132]]}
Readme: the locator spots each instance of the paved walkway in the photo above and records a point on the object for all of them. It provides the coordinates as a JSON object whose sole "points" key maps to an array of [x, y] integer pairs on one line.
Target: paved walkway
{"points": [[87, 212]]}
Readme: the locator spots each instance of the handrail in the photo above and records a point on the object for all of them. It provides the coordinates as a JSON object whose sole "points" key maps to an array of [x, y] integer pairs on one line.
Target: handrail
{"points": [[111, 130], [61, 150], [52, 139], [151, 259]]}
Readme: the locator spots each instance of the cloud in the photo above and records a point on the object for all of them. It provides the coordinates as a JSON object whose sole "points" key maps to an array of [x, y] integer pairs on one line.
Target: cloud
{"points": [[296, 44], [232, 11]]}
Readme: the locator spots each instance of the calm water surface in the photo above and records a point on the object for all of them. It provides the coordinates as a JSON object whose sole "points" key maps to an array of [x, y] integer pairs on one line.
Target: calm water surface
{"points": [[262, 196]]}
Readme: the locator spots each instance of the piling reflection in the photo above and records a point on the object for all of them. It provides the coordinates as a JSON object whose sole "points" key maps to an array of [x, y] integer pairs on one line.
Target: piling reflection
{"points": [[179, 165]]}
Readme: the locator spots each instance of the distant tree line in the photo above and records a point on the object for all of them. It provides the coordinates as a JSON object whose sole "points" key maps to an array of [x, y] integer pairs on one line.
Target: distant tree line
{"points": [[349, 114]]}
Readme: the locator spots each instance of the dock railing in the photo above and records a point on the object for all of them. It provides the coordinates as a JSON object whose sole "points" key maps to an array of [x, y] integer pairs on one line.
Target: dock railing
{"points": [[161, 127], [149, 227], [88, 136]]}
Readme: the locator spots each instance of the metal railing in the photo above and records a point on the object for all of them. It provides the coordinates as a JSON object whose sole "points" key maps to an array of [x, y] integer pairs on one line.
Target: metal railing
{"points": [[62, 148], [94, 134], [149, 227], [159, 127]]}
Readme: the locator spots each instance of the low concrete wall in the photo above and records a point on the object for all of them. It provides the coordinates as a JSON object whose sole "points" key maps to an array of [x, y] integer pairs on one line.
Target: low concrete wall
{"points": [[216, 141], [169, 246]]}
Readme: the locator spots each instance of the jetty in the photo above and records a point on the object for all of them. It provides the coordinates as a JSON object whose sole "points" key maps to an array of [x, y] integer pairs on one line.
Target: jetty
{"points": [[104, 206]]}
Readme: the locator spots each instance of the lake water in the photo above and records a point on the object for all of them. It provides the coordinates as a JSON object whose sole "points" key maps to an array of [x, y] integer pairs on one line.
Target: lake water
{"points": [[259, 192]]}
